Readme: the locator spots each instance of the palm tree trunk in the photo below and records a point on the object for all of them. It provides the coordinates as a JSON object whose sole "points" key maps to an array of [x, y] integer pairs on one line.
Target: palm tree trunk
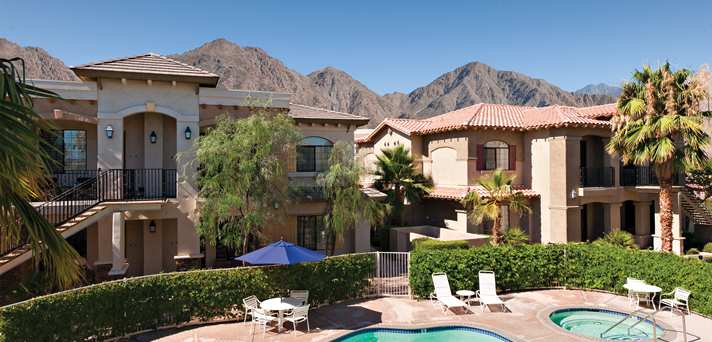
{"points": [[497, 230], [666, 213]]}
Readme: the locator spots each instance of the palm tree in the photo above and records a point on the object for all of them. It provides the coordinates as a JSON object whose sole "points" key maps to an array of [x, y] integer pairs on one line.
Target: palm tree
{"points": [[347, 204], [499, 193], [24, 164], [396, 176], [659, 123]]}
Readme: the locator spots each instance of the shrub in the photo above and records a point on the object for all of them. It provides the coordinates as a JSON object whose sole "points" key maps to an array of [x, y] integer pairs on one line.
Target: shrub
{"points": [[707, 248], [122, 307], [428, 243], [619, 238], [590, 266], [515, 236], [692, 251]]}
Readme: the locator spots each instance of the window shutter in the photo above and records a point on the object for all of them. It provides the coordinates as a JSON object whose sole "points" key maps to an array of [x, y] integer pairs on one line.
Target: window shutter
{"points": [[480, 157], [512, 157]]}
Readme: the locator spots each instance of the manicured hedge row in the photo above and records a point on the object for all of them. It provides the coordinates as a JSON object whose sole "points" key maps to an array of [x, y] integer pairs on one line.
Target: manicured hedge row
{"points": [[591, 266], [122, 307], [428, 243]]}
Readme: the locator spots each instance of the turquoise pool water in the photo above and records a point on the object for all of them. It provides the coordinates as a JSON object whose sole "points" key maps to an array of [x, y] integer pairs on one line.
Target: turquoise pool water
{"points": [[593, 322], [450, 333]]}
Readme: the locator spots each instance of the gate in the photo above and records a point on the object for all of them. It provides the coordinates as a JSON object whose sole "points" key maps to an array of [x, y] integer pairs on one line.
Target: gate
{"points": [[391, 276]]}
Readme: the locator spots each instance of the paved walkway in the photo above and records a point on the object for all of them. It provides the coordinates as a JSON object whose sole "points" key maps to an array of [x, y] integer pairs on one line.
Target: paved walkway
{"points": [[527, 321]]}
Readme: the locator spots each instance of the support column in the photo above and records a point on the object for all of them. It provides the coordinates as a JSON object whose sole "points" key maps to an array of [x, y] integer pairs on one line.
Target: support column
{"points": [[612, 216], [678, 241], [643, 235], [188, 254], [118, 243]]}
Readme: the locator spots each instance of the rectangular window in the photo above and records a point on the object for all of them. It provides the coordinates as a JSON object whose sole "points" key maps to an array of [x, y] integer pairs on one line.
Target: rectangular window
{"points": [[310, 231], [313, 158], [496, 158], [68, 150]]}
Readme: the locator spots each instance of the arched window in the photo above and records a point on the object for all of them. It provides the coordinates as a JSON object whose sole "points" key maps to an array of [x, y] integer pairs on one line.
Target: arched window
{"points": [[313, 154], [496, 155]]}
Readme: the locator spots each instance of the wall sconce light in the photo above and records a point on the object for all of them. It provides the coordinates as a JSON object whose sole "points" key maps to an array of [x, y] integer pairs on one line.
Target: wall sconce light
{"points": [[153, 137], [574, 194], [188, 133], [152, 227], [109, 131]]}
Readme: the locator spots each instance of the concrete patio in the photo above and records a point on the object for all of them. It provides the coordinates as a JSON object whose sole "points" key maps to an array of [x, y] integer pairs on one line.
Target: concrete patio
{"points": [[527, 321]]}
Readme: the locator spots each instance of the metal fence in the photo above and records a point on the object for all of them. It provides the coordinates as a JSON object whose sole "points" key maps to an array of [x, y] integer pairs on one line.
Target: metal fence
{"points": [[391, 274]]}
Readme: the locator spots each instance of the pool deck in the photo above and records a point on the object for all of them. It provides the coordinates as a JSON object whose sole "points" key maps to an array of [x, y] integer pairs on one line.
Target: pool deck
{"points": [[526, 321]]}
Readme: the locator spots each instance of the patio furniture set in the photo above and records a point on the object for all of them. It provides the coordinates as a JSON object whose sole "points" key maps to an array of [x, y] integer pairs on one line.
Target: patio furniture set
{"points": [[293, 309], [638, 292], [641, 292]]}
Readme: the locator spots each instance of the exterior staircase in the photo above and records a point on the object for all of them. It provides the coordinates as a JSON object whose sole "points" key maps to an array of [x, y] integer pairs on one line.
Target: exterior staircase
{"points": [[695, 207], [88, 201]]}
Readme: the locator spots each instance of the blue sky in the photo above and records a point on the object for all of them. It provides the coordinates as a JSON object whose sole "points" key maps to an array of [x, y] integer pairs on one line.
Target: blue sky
{"points": [[387, 45]]}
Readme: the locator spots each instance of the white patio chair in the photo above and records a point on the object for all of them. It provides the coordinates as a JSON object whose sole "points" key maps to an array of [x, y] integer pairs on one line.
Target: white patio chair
{"points": [[680, 299], [487, 294], [262, 317], [298, 315], [302, 295], [635, 298], [251, 303], [443, 294]]}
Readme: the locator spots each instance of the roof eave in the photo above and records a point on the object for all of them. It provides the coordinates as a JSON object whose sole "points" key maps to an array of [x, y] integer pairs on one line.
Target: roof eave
{"points": [[92, 74]]}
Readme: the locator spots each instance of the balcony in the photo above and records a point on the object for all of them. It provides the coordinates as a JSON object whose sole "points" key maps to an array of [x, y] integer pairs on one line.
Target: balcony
{"points": [[305, 188], [597, 177], [643, 176]]}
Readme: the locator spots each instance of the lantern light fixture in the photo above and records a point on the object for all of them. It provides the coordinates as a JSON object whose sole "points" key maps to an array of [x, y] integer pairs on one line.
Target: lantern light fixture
{"points": [[153, 137], [109, 130], [152, 226], [188, 133]]}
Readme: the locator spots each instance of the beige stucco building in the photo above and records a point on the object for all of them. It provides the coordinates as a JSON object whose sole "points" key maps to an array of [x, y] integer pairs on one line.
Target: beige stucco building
{"points": [[576, 190], [130, 205]]}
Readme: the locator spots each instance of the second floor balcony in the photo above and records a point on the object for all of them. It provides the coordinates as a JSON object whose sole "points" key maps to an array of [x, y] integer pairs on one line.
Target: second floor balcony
{"points": [[598, 177], [643, 176]]}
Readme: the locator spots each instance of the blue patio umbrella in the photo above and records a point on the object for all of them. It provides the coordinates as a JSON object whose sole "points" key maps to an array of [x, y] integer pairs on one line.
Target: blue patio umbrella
{"points": [[281, 253]]}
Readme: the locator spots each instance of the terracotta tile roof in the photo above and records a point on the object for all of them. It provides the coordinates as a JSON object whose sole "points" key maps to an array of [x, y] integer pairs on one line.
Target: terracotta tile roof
{"points": [[299, 111], [502, 116], [459, 192], [558, 116], [149, 64]]}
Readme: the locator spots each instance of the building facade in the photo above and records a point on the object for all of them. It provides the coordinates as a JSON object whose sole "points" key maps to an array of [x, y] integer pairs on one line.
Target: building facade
{"points": [[122, 197], [577, 191]]}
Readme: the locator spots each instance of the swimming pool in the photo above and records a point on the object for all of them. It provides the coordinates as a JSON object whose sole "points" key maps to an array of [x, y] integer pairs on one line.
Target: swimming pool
{"points": [[592, 322], [445, 333]]}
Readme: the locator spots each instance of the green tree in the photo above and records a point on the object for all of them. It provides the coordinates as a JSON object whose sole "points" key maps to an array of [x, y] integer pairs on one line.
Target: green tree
{"points": [[242, 179], [499, 193], [24, 164], [397, 177], [659, 123], [347, 204]]}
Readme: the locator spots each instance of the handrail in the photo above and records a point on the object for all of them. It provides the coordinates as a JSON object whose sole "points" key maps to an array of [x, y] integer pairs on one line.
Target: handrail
{"points": [[640, 319]]}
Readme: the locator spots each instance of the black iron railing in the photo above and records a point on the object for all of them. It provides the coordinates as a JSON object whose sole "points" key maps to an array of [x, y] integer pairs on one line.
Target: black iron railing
{"points": [[65, 180], [93, 187], [644, 175], [598, 176]]}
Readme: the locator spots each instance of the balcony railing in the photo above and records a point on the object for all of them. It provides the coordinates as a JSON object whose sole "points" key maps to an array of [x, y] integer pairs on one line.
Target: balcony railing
{"points": [[597, 176], [642, 176]]}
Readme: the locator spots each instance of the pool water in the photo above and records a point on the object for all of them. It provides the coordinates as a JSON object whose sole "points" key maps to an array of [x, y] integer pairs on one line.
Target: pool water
{"points": [[453, 333], [593, 322]]}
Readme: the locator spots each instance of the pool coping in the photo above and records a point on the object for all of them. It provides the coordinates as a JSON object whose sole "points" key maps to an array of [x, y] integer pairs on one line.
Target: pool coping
{"points": [[669, 334], [416, 326]]}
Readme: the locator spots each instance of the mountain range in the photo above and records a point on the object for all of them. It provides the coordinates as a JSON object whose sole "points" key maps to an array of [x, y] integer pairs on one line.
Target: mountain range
{"points": [[600, 89], [252, 68]]}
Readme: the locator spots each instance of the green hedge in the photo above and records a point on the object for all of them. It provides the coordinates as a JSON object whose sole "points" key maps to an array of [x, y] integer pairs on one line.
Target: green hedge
{"points": [[591, 266], [428, 243], [122, 307]]}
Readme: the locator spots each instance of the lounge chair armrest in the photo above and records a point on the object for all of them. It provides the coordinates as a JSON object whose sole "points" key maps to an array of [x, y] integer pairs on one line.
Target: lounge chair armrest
{"points": [[477, 294]]}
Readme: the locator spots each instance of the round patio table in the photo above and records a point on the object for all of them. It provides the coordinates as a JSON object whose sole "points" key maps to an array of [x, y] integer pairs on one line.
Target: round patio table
{"points": [[280, 305], [465, 295], [644, 288]]}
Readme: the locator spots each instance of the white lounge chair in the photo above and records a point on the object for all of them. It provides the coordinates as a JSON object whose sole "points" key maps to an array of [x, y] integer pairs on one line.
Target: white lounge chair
{"points": [[487, 294], [443, 294], [680, 299], [298, 315], [302, 295], [251, 303], [262, 317]]}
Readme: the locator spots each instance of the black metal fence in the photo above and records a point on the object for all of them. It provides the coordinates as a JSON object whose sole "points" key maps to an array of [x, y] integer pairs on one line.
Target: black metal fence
{"points": [[643, 175], [598, 176]]}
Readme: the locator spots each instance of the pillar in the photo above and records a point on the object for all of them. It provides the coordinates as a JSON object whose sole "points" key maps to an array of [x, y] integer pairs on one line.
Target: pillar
{"points": [[188, 253], [118, 243], [678, 242], [362, 237], [613, 161], [612, 216], [110, 150], [153, 153], [643, 235]]}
